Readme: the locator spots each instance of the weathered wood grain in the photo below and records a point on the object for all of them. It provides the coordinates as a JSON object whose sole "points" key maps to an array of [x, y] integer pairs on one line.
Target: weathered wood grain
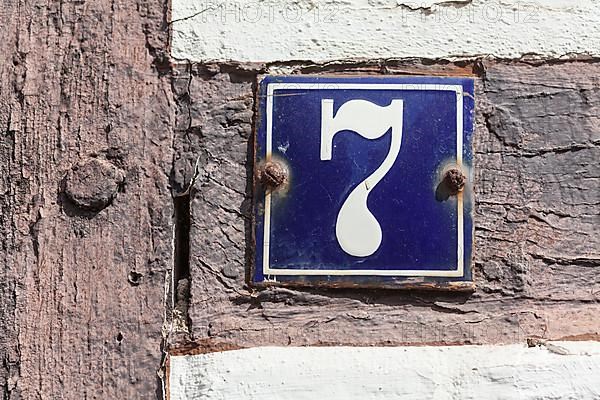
{"points": [[84, 108], [537, 252]]}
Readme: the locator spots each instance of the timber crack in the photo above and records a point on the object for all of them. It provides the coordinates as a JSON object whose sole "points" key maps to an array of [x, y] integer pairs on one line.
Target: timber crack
{"points": [[181, 258]]}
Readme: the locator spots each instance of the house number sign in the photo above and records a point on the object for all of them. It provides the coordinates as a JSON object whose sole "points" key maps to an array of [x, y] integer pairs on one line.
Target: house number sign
{"points": [[364, 182]]}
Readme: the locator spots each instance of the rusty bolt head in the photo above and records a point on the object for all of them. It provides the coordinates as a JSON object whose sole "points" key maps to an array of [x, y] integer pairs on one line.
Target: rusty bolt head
{"points": [[455, 180], [273, 175]]}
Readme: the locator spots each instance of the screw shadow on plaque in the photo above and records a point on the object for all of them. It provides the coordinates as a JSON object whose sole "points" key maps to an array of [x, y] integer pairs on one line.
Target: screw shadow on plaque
{"points": [[453, 182]]}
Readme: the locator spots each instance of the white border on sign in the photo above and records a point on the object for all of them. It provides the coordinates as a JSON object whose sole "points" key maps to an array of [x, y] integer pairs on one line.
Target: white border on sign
{"points": [[273, 272]]}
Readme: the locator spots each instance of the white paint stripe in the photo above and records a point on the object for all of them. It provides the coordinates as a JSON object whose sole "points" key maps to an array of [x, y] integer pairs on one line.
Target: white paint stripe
{"points": [[460, 248], [271, 273], [561, 370], [269, 151], [322, 30]]}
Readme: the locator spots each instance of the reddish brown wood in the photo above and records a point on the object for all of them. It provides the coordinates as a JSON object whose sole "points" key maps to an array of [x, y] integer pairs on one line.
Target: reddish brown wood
{"points": [[84, 257]]}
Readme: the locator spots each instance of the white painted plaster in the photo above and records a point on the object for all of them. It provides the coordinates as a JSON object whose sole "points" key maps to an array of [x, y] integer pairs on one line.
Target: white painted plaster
{"points": [[322, 30], [558, 370]]}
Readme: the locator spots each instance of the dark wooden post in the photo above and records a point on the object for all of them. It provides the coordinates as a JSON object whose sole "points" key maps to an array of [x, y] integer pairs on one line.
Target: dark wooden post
{"points": [[85, 206]]}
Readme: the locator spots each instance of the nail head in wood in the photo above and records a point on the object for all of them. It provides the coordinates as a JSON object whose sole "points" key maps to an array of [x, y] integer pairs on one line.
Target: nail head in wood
{"points": [[93, 184]]}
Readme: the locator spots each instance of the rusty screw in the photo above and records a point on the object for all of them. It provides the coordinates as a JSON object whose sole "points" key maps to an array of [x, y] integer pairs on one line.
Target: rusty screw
{"points": [[273, 175], [455, 181]]}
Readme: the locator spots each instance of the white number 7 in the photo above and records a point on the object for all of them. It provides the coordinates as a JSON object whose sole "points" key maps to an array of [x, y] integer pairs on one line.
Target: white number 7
{"points": [[357, 230]]}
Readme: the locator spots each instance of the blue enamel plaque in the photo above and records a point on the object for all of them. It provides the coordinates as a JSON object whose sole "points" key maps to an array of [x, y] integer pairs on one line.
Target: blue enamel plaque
{"points": [[372, 184]]}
